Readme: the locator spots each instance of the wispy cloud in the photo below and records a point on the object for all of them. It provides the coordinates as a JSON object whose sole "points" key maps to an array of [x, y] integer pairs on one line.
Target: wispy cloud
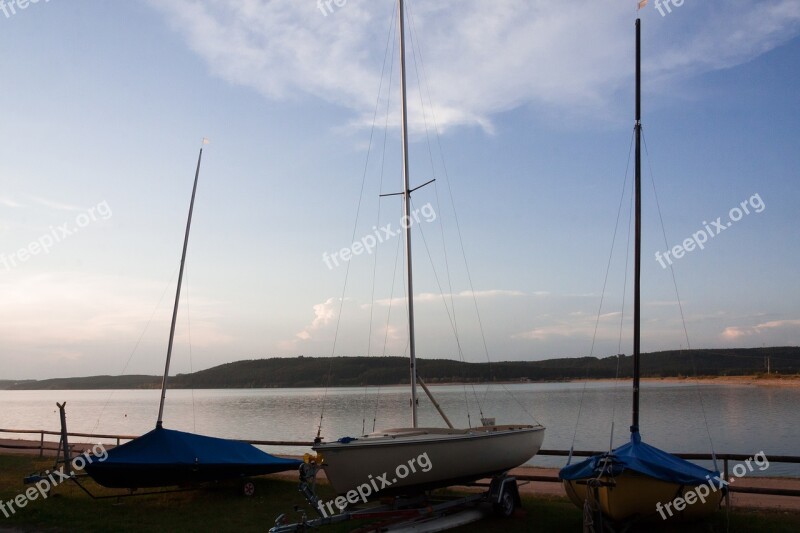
{"points": [[52, 204], [738, 332], [482, 58], [10, 202], [437, 297]]}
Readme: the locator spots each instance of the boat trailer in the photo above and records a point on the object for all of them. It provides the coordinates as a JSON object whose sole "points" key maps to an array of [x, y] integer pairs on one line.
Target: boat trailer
{"points": [[419, 513]]}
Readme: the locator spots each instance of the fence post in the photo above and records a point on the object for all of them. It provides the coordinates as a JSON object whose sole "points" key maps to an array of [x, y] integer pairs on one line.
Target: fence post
{"points": [[41, 445], [727, 477]]}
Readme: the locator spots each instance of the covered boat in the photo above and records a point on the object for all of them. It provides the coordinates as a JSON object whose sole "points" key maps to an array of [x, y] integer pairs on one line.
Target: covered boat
{"points": [[641, 481], [636, 481], [166, 457]]}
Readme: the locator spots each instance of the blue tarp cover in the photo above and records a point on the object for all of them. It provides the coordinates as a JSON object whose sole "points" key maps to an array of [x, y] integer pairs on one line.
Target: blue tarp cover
{"points": [[171, 447], [641, 458], [165, 457]]}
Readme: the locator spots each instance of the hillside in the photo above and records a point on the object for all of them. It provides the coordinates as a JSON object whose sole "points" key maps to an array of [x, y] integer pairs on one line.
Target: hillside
{"points": [[357, 371]]}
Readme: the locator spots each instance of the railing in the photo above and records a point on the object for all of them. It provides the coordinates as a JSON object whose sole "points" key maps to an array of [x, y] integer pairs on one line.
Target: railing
{"points": [[724, 457]]}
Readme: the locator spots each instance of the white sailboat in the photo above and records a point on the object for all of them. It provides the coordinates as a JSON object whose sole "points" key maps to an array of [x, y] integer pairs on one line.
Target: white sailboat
{"points": [[454, 455]]}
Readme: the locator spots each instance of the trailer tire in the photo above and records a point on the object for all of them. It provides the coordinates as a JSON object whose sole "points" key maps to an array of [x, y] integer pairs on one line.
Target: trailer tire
{"points": [[505, 507]]}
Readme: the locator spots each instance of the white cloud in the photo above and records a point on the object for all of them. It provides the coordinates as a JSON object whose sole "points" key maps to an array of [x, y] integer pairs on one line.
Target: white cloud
{"points": [[323, 313], [59, 317], [52, 204], [437, 297], [10, 202], [738, 332], [481, 58]]}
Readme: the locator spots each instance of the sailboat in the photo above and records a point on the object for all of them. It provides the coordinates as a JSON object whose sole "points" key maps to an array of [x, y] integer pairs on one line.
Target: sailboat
{"points": [[166, 457], [637, 481], [455, 455]]}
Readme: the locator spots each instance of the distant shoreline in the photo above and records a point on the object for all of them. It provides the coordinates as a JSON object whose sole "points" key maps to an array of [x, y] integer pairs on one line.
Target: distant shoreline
{"points": [[776, 381], [757, 380]]}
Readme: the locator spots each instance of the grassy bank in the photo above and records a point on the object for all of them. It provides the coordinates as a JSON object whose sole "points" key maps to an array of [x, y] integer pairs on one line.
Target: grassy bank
{"points": [[223, 509]]}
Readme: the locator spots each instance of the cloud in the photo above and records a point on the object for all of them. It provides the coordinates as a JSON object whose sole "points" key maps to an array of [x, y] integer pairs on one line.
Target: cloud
{"points": [[67, 315], [437, 297], [733, 333], [51, 204], [579, 324], [323, 314], [10, 202], [480, 58]]}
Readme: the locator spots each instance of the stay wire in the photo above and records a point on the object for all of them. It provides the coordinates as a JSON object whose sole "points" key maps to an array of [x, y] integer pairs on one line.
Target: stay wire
{"points": [[378, 217], [680, 305], [452, 200], [355, 225], [415, 45], [135, 348], [602, 298]]}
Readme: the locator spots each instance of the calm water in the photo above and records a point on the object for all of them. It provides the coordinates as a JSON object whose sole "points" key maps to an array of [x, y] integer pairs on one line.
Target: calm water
{"points": [[741, 419]]}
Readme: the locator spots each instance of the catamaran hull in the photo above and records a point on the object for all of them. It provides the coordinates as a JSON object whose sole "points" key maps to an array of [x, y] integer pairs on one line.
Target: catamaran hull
{"points": [[407, 461], [634, 496]]}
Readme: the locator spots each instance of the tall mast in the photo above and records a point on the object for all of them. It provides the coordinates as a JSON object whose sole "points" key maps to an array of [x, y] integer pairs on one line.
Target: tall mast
{"points": [[177, 296], [638, 231], [407, 210]]}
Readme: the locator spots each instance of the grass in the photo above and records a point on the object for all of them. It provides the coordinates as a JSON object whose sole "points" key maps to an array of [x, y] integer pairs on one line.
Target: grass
{"points": [[223, 509]]}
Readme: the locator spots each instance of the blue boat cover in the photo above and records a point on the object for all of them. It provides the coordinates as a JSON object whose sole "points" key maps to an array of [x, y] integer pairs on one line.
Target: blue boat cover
{"points": [[165, 457], [641, 458], [171, 447]]}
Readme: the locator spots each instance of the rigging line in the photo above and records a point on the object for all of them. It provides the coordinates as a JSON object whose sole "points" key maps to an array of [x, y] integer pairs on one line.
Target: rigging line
{"points": [[191, 366], [603, 293], [447, 310], [378, 217], [680, 305], [452, 201], [621, 322], [394, 271], [355, 223], [388, 322], [415, 44], [135, 347]]}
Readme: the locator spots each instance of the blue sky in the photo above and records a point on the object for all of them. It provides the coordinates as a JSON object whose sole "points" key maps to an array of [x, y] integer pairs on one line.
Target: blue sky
{"points": [[105, 103]]}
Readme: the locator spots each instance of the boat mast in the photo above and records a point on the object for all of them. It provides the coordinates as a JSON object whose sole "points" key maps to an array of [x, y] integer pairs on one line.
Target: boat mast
{"points": [[638, 231], [407, 210], [177, 296]]}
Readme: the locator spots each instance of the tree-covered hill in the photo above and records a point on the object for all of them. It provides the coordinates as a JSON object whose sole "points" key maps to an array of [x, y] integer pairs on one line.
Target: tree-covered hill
{"points": [[358, 371]]}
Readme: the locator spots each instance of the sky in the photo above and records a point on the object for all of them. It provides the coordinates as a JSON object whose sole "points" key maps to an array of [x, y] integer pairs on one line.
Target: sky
{"points": [[521, 110]]}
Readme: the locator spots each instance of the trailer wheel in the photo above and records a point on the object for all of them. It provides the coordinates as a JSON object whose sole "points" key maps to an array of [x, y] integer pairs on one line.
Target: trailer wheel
{"points": [[248, 489], [505, 507]]}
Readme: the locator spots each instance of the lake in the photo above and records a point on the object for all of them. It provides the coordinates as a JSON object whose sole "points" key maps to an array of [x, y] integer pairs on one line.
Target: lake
{"points": [[740, 418]]}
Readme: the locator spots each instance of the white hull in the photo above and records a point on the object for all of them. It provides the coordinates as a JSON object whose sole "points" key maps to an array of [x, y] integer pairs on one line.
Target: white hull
{"points": [[411, 459]]}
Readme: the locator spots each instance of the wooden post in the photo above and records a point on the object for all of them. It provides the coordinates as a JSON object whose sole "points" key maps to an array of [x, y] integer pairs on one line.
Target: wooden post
{"points": [[41, 445], [727, 477]]}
